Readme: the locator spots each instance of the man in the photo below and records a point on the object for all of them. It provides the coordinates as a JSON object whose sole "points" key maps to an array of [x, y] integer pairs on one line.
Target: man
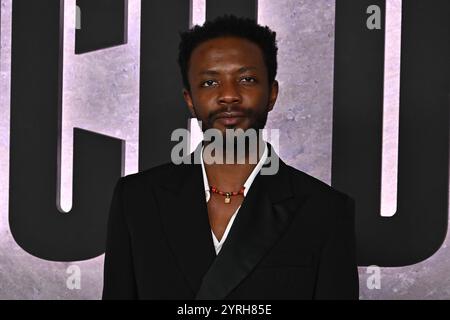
{"points": [[227, 231]]}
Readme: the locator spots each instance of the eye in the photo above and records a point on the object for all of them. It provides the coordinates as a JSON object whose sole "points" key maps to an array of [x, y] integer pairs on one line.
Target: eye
{"points": [[249, 79], [207, 82]]}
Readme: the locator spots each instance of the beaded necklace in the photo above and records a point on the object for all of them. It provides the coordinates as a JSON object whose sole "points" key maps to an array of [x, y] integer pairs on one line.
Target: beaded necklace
{"points": [[227, 195]]}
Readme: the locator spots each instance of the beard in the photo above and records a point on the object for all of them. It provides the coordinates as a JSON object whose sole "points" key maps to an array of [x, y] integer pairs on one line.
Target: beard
{"points": [[256, 122]]}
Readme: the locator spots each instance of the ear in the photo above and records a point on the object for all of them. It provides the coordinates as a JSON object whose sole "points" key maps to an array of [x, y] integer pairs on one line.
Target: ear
{"points": [[188, 99], [273, 95]]}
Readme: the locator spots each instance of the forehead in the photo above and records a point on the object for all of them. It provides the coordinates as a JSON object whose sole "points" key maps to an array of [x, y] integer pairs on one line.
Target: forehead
{"points": [[223, 52]]}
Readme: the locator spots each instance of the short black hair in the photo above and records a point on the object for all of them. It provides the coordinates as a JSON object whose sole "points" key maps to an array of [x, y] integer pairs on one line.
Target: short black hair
{"points": [[229, 25]]}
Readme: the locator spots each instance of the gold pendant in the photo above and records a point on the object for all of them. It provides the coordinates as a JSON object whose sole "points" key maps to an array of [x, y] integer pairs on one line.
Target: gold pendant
{"points": [[227, 198]]}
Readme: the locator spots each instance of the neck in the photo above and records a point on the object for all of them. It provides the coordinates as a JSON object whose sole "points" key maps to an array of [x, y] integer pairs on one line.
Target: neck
{"points": [[232, 176]]}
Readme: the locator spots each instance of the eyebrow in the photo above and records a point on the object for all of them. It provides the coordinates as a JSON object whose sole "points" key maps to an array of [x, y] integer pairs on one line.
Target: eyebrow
{"points": [[214, 72]]}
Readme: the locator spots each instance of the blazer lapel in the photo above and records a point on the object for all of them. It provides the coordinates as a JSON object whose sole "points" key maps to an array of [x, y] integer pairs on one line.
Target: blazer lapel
{"points": [[264, 216], [181, 199]]}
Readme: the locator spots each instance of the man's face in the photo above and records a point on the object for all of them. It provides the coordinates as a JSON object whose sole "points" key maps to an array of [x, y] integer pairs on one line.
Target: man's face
{"points": [[229, 85]]}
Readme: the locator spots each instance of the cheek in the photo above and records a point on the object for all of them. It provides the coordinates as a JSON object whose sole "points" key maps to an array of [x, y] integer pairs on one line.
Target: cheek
{"points": [[202, 109], [198, 103], [258, 102]]}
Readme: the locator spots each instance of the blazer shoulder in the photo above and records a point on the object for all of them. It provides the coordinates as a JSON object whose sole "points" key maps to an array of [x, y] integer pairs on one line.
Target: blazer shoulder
{"points": [[319, 190], [332, 208], [313, 184], [152, 176]]}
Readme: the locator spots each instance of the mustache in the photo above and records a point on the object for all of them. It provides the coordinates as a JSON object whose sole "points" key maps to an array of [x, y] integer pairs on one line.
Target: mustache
{"points": [[235, 111]]}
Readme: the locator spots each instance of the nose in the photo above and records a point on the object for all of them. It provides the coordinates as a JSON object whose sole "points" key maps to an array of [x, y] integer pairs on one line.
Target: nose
{"points": [[229, 94]]}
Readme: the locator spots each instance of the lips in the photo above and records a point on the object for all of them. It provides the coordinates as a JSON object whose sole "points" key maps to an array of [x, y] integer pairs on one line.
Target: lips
{"points": [[230, 118]]}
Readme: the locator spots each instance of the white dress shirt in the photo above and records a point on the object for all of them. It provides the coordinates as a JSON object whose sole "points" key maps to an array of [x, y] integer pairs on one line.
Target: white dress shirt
{"points": [[218, 244]]}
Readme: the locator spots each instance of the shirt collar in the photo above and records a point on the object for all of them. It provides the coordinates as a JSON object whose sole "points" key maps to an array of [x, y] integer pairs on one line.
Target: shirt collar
{"points": [[249, 180]]}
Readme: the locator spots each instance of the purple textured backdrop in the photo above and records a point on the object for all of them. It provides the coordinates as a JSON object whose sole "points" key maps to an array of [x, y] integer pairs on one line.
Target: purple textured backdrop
{"points": [[101, 94]]}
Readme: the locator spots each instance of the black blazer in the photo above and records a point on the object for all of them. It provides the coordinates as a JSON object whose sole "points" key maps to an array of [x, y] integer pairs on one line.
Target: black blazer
{"points": [[293, 238]]}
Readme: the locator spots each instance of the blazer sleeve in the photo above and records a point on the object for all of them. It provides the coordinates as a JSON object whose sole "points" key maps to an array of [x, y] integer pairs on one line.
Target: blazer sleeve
{"points": [[337, 277], [118, 281]]}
